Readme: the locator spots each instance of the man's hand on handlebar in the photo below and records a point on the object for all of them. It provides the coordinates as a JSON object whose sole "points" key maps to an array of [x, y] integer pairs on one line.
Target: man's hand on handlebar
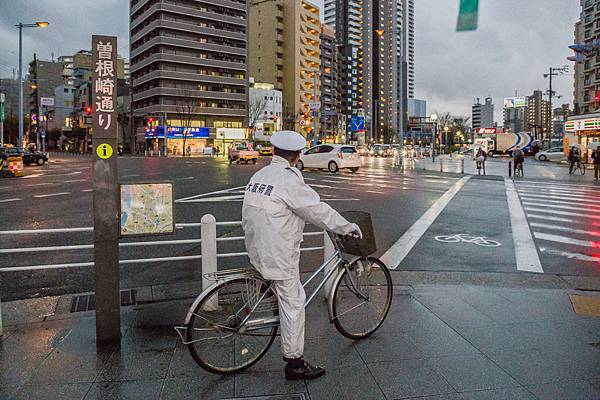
{"points": [[356, 232]]}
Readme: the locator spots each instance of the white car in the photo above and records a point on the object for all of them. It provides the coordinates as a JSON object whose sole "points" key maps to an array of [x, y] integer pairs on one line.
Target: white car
{"points": [[333, 157], [552, 154]]}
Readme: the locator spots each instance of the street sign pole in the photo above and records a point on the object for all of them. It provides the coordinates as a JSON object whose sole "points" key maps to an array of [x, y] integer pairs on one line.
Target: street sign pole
{"points": [[106, 189], [2, 119]]}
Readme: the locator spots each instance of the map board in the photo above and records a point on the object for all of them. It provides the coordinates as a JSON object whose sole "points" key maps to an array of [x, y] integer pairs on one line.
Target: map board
{"points": [[146, 209]]}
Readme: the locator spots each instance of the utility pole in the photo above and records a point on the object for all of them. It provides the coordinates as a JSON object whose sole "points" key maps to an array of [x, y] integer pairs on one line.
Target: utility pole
{"points": [[2, 119], [552, 72]]}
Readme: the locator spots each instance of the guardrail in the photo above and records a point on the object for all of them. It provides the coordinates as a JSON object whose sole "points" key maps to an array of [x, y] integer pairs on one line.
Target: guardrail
{"points": [[456, 165], [208, 248]]}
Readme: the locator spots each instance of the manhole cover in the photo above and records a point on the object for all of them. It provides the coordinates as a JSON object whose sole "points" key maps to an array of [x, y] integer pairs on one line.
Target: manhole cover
{"points": [[295, 396], [87, 302]]}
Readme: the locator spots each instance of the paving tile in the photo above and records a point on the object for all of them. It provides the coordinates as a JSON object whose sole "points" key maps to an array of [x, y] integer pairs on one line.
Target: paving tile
{"points": [[345, 383], [495, 338], [441, 342], [7, 391], [447, 396], [471, 373], [569, 390], [16, 370], [144, 339], [212, 387], [331, 352], [453, 310], [126, 390], [66, 391], [407, 314], [533, 366], [133, 366], [251, 383], [61, 367], [409, 378], [517, 393], [386, 347]]}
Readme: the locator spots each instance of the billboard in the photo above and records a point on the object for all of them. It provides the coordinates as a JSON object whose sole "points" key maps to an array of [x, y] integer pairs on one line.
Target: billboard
{"points": [[176, 132], [515, 102]]}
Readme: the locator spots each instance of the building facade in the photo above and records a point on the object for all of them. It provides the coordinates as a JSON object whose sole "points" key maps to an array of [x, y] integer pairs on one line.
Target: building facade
{"points": [[297, 61], [329, 92], [417, 108], [189, 68], [482, 115], [265, 110], [538, 116], [586, 82], [44, 76]]}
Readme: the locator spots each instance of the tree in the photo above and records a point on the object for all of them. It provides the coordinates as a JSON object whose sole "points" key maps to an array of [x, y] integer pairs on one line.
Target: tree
{"points": [[187, 106], [258, 104], [455, 125]]}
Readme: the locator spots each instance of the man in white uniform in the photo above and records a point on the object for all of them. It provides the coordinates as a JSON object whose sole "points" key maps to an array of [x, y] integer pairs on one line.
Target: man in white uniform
{"points": [[277, 203]]}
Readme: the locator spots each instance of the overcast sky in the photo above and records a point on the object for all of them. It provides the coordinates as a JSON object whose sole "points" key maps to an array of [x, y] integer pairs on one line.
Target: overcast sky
{"points": [[515, 44]]}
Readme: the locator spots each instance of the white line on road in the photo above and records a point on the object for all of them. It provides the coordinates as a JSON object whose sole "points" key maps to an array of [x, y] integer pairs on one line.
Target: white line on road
{"points": [[87, 190], [185, 199], [9, 200], [564, 239], [557, 184], [399, 250], [39, 196], [130, 175], [565, 229], [550, 218], [563, 195], [526, 253], [572, 256], [33, 176], [40, 184], [554, 199], [562, 207], [556, 212], [75, 180]]}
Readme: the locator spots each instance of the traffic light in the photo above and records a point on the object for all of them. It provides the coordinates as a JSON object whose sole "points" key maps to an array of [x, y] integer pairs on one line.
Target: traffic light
{"points": [[150, 120], [88, 109]]}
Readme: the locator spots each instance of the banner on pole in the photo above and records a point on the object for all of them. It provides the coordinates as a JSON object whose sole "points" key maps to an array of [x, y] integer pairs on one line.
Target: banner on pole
{"points": [[467, 15]]}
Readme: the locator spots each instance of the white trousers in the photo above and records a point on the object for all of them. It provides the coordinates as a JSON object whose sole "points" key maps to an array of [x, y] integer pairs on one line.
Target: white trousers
{"points": [[291, 297]]}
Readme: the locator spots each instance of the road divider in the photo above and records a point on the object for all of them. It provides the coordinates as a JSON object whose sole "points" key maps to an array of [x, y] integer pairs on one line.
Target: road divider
{"points": [[399, 250]]}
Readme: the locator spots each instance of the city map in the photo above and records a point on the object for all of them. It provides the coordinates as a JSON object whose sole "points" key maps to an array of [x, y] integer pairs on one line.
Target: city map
{"points": [[146, 209]]}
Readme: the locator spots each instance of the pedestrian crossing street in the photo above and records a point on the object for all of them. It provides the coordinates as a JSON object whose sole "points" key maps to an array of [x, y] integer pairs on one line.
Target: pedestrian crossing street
{"points": [[564, 220]]}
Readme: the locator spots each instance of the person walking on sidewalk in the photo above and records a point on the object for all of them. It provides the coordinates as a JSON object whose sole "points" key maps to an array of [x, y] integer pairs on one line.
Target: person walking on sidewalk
{"points": [[480, 159], [596, 161], [573, 158], [276, 205]]}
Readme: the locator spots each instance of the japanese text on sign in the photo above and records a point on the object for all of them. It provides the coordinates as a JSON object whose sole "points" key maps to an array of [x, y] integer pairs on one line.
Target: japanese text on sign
{"points": [[104, 84]]}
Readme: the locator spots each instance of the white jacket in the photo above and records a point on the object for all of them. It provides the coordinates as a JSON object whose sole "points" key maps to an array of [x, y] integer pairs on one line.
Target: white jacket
{"points": [[277, 203]]}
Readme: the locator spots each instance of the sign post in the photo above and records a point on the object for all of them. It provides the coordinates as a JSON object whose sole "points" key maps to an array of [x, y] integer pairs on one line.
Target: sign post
{"points": [[106, 189], [1, 123]]}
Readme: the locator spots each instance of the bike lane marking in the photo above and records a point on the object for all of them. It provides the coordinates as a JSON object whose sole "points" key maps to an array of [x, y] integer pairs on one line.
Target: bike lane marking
{"points": [[526, 253], [399, 250]]}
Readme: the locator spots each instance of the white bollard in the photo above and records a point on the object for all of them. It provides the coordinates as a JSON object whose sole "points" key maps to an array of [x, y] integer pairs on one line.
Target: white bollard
{"points": [[208, 231], [328, 251]]}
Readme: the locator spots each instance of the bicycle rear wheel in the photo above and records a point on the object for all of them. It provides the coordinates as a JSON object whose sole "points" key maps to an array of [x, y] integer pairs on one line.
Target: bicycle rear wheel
{"points": [[217, 342], [362, 298]]}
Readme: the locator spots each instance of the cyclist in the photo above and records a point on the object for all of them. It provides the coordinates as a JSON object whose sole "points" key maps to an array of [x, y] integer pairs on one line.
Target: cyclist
{"points": [[518, 157], [276, 205], [480, 158], [574, 158], [596, 161]]}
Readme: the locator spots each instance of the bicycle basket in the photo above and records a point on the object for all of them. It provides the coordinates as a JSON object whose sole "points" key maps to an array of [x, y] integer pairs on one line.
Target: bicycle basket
{"points": [[358, 247]]}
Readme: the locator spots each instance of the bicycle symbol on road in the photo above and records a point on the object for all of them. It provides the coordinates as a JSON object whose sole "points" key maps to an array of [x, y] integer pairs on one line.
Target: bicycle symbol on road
{"points": [[465, 238]]}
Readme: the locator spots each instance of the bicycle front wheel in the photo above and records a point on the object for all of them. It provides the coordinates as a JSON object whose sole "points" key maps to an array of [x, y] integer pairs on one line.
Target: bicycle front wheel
{"points": [[362, 298], [217, 339]]}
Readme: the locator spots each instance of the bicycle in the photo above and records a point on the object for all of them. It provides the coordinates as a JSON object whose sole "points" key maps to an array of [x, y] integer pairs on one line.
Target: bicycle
{"points": [[578, 166], [233, 323], [518, 169]]}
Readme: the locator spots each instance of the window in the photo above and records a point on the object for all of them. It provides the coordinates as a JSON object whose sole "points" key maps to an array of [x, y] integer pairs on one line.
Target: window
{"points": [[348, 150], [324, 149]]}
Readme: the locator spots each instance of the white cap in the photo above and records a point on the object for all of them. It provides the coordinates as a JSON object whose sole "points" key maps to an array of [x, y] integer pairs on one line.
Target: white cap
{"points": [[288, 140]]}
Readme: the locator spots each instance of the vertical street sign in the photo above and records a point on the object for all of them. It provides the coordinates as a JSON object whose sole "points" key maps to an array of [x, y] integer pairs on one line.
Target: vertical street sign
{"points": [[467, 15], [106, 188], [1, 118]]}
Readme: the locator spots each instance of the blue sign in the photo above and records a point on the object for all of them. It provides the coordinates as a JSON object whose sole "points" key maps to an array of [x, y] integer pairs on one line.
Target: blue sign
{"points": [[357, 123], [176, 132]]}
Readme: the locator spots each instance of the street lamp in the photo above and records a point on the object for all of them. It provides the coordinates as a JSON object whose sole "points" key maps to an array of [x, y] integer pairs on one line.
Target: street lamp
{"points": [[20, 25], [446, 129], [434, 118]]}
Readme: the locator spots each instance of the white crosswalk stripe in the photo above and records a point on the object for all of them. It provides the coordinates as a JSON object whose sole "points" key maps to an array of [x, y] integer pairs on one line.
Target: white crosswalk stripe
{"points": [[562, 217]]}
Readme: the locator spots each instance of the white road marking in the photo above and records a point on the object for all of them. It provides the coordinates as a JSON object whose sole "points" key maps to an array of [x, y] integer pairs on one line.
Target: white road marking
{"points": [[187, 178], [9, 200], [87, 190], [399, 250], [40, 184], [75, 180], [213, 199], [565, 229], [185, 199], [545, 184], [557, 193], [33, 176], [549, 218], [526, 253], [567, 240], [130, 175], [39, 196], [556, 212], [561, 207], [570, 255], [554, 199]]}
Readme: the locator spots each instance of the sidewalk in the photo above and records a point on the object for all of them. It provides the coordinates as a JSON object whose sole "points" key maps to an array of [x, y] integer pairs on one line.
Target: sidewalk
{"points": [[438, 342]]}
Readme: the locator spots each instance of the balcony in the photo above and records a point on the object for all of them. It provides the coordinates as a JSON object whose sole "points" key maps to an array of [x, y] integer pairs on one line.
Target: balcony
{"points": [[175, 58], [203, 111], [188, 76], [203, 94], [188, 44], [185, 27]]}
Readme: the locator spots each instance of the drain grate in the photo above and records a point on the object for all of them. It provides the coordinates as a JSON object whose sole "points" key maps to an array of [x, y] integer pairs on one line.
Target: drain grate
{"points": [[87, 302], [294, 396]]}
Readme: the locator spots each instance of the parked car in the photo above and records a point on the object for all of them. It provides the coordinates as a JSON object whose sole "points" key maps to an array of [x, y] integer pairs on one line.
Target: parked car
{"points": [[362, 150], [426, 152], [242, 152], [265, 151], [552, 154], [331, 156], [29, 157]]}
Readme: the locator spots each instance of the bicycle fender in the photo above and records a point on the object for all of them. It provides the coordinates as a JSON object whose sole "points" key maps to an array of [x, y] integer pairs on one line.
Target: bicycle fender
{"points": [[334, 284], [200, 297]]}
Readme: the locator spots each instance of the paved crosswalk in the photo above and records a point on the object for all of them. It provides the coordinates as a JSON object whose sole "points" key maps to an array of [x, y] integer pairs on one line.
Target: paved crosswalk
{"points": [[564, 219]]}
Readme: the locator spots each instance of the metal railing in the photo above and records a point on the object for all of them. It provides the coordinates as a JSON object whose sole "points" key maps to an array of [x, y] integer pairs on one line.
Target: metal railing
{"points": [[208, 248]]}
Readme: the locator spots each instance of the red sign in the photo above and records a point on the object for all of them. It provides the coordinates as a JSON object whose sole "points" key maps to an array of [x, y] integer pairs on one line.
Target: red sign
{"points": [[488, 131]]}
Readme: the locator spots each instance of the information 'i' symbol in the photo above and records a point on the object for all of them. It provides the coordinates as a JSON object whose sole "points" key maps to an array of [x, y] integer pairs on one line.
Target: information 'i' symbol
{"points": [[104, 150]]}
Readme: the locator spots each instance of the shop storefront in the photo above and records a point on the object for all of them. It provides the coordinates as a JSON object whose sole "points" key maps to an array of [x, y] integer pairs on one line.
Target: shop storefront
{"points": [[585, 131], [226, 136], [196, 140]]}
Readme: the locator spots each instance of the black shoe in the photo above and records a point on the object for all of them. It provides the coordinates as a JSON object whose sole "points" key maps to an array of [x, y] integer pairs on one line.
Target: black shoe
{"points": [[297, 369]]}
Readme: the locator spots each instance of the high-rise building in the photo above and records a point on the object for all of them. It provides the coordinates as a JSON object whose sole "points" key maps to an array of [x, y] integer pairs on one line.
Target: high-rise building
{"points": [[44, 76], [297, 59], [514, 114], [329, 97], [482, 115], [586, 83], [376, 47], [538, 116], [560, 115], [265, 110], [189, 67]]}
